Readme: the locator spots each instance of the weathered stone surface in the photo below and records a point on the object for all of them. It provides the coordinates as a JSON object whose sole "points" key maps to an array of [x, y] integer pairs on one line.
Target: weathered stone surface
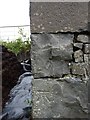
{"points": [[62, 47], [63, 52], [78, 45], [80, 69], [87, 58], [59, 68], [87, 48], [56, 98], [83, 38], [78, 56], [49, 53], [89, 96], [63, 42], [41, 65], [60, 62], [58, 16]]}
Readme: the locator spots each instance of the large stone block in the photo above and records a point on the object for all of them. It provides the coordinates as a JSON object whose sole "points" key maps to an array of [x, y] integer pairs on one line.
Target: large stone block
{"points": [[59, 16], [60, 98], [49, 54]]}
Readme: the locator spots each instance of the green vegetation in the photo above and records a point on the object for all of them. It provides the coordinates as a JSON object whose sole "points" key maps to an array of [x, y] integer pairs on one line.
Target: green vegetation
{"points": [[17, 46], [22, 43]]}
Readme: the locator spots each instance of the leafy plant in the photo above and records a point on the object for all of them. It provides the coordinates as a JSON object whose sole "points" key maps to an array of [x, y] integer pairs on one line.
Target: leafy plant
{"points": [[22, 43]]}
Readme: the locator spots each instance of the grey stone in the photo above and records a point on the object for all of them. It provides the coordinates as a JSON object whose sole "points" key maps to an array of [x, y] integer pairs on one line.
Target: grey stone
{"points": [[80, 69], [70, 79], [53, 98], [78, 56], [89, 94], [41, 65], [60, 68], [58, 16], [62, 47], [87, 48], [60, 88], [62, 52], [83, 38], [87, 58], [49, 53], [78, 45]]}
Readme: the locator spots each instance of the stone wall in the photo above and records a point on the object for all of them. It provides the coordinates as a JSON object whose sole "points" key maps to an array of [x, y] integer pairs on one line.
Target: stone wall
{"points": [[60, 56]]}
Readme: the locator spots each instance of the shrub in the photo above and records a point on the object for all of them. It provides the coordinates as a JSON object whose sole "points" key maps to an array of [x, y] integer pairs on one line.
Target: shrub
{"points": [[22, 43], [17, 45]]}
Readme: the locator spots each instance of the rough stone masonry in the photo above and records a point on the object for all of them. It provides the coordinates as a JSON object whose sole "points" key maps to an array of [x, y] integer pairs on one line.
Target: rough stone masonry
{"points": [[60, 55]]}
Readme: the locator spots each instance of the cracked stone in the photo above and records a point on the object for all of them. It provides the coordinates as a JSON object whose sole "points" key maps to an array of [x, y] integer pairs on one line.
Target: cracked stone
{"points": [[63, 52], [49, 53], [63, 98]]}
